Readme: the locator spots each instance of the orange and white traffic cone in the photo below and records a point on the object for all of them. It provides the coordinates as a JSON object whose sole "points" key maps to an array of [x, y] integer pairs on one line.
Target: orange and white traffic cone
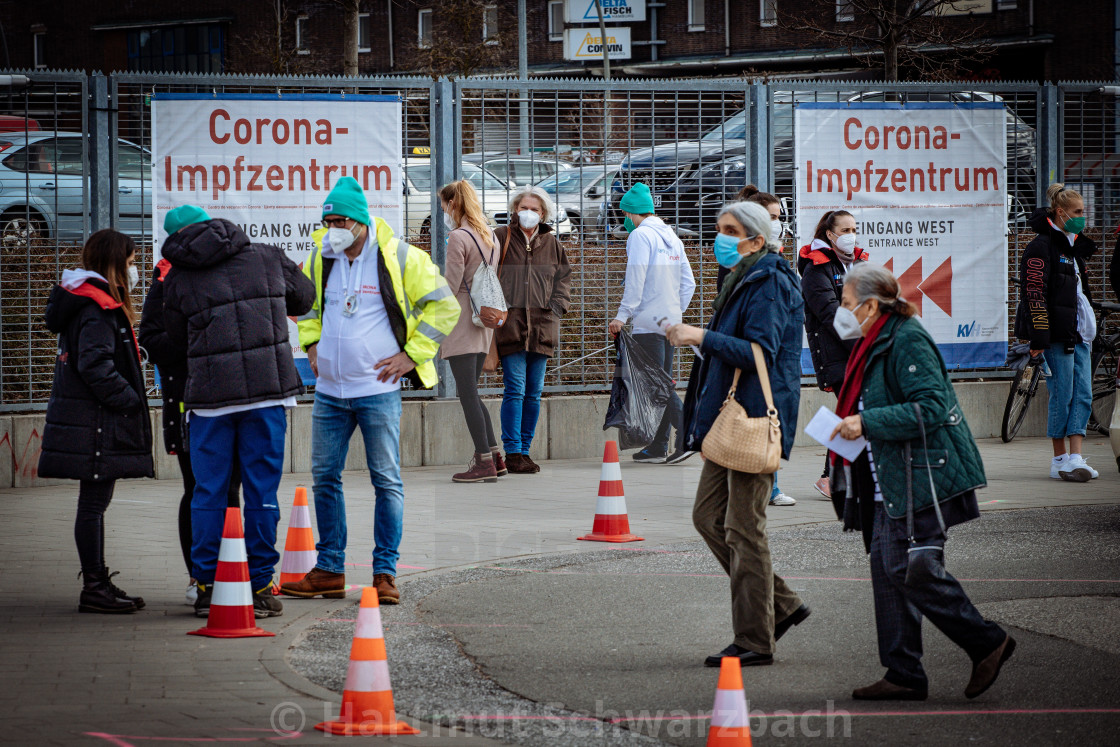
{"points": [[611, 523], [299, 545], [367, 697], [231, 602], [731, 725]]}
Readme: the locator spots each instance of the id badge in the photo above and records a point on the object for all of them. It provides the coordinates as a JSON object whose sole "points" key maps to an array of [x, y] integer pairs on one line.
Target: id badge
{"points": [[350, 305]]}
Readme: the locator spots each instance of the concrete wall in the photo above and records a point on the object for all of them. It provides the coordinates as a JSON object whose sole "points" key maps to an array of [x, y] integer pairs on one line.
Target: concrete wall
{"points": [[434, 433]]}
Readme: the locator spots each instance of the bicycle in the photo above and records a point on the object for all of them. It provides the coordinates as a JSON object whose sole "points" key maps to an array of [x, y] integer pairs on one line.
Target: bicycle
{"points": [[1103, 360]]}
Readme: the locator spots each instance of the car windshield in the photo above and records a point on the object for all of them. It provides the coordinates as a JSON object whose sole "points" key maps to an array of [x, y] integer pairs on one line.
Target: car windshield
{"points": [[570, 180], [734, 128], [420, 176], [481, 179]]}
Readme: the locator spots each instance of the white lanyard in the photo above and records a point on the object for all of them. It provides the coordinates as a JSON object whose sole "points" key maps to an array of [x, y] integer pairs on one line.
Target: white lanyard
{"points": [[349, 271]]}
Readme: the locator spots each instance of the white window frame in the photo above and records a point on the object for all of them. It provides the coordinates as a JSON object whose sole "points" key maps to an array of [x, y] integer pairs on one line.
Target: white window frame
{"points": [[489, 35], [692, 20], [36, 37], [555, 34], [767, 20], [369, 36], [301, 46], [844, 11], [420, 42]]}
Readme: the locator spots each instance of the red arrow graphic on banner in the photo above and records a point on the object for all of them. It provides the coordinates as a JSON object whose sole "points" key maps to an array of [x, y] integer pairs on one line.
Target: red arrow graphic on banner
{"points": [[938, 287]]}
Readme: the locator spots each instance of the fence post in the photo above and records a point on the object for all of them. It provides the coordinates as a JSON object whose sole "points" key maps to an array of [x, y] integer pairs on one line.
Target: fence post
{"points": [[102, 187], [444, 170], [1050, 135], [758, 114]]}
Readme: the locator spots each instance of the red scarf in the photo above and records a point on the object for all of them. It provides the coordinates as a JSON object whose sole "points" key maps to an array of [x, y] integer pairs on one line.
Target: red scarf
{"points": [[852, 388]]}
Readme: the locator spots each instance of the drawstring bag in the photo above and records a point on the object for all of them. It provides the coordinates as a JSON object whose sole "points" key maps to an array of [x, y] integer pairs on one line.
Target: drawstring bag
{"points": [[488, 301]]}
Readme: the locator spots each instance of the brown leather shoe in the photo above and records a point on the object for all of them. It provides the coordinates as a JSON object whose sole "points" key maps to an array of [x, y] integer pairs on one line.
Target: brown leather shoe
{"points": [[985, 671], [481, 469], [317, 583], [883, 690], [387, 592], [533, 466], [499, 464], [519, 464]]}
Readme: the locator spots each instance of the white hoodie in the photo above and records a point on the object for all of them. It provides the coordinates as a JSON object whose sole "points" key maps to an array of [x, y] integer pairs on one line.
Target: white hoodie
{"points": [[659, 282], [71, 279], [350, 346]]}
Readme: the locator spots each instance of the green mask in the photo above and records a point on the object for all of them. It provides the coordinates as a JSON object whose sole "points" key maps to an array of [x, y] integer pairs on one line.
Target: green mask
{"points": [[628, 224], [1074, 225]]}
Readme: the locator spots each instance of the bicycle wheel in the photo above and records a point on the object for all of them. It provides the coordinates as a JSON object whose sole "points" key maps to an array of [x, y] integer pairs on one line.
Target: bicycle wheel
{"points": [[1105, 375], [1019, 399]]}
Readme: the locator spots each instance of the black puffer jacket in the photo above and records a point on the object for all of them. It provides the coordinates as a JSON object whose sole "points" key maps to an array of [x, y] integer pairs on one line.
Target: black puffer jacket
{"points": [[1047, 313], [97, 418], [226, 303], [822, 282], [171, 361]]}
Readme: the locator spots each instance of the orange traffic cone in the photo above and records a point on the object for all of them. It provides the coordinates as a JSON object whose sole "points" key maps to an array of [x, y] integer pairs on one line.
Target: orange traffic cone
{"points": [[611, 523], [299, 545], [231, 604], [367, 697], [731, 725]]}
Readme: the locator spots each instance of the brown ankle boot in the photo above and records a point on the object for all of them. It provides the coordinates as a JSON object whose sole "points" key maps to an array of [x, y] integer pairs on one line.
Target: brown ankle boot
{"points": [[387, 592], [499, 464], [529, 464], [519, 464], [481, 469], [317, 583]]}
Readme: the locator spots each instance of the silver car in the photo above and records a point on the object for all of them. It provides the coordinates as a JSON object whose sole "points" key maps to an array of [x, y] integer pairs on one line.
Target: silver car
{"points": [[582, 193], [42, 186]]}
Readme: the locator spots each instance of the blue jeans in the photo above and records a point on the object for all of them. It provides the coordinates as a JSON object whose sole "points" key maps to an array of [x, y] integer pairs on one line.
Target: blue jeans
{"points": [[899, 607], [1071, 390], [257, 437], [521, 404], [332, 423]]}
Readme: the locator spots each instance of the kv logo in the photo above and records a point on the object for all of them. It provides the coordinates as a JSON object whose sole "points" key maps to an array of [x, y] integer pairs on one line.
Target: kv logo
{"points": [[938, 287], [968, 330]]}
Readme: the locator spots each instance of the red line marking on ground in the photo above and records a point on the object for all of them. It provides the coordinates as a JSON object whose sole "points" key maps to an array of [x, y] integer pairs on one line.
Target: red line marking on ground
{"points": [[434, 625], [810, 713], [797, 578], [120, 740]]}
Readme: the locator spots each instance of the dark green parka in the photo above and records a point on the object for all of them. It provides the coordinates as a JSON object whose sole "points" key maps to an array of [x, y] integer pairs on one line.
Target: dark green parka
{"points": [[904, 367]]}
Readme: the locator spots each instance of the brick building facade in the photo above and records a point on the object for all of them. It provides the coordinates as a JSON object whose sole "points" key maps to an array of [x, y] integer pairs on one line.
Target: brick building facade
{"points": [[1033, 40]]}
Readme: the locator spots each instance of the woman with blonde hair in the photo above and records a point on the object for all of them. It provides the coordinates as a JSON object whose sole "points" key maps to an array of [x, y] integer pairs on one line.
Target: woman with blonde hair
{"points": [[1056, 315], [536, 279], [470, 243]]}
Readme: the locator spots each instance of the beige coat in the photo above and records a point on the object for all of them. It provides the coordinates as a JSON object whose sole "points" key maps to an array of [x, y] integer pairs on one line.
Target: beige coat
{"points": [[463, 260]]}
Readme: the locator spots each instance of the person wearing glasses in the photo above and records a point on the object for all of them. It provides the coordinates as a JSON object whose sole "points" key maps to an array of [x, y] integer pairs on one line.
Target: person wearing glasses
{"points": [[381, 310]]}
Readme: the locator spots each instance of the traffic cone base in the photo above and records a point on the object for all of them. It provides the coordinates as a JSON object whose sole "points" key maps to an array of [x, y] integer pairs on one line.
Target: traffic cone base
{"points": [[231, 602], [299, 544], [611, 522]]}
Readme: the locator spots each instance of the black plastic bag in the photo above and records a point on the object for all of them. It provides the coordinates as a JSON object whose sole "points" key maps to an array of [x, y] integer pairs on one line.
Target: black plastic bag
{"points": [[639, 394]]}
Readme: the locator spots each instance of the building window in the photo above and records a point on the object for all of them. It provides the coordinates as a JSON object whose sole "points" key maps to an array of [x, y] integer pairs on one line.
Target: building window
{"points": [[40, 44], [845, 11], [556, 21], [1006, 5], [768, 12], [198, 48], [424, 29], [363, 33], [695, 15], [301, 35], [490, 24]]}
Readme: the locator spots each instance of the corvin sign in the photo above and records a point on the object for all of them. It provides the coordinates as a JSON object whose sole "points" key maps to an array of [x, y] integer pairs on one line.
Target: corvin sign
{"points": [[927, 186], [587, 44]]}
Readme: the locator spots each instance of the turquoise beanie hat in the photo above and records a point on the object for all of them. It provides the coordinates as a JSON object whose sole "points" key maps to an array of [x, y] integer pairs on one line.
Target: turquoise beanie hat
{"points": [[638, 200], [183, 216], [347, 199]]}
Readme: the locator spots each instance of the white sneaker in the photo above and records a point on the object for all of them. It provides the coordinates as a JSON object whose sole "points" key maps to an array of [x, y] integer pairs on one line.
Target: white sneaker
{"points": [[781, 499], [1070, 470], [192, 592], [1079, 461], [1056, 465]]}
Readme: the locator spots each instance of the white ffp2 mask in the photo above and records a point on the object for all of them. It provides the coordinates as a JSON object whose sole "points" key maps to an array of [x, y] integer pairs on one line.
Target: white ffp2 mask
{"points": [[846, 324], [846, 244], [133, 277], [528, 219], [340, 239]]}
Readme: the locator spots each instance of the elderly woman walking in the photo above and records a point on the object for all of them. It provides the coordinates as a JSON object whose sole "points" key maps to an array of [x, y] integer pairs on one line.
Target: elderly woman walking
{"points": [[918, 477], [759, 302], [536, 279]]}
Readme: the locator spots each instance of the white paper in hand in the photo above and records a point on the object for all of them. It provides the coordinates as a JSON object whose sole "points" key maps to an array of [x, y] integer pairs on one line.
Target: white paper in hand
{"points": [[820, 430]]}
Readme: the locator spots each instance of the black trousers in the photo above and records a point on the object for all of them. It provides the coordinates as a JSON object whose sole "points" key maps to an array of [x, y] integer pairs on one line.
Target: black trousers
{"points": [[659, 348], [89, 524], [232, 500], [467, 370]]}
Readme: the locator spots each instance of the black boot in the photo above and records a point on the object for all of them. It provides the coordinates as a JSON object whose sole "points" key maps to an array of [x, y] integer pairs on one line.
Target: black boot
{"points": [[98, 596], [118, 593]]}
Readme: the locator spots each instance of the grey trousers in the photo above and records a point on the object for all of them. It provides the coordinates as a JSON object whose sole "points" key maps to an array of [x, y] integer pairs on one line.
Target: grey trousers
{"points": [[730, 514]]}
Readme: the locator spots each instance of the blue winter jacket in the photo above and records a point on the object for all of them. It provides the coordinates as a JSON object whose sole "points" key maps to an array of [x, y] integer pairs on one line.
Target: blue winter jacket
{"points": [[765, 307]]}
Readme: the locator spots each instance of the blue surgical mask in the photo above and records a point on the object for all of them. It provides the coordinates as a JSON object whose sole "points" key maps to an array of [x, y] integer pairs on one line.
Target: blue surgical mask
{"points": [[628, 225], [726, 249]]}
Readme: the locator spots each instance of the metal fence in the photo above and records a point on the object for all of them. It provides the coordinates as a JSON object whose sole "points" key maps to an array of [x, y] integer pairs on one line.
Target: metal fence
{"points": [[696, 142]]}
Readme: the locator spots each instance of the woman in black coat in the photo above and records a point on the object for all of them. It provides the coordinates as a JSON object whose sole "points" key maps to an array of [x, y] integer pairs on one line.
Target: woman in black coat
{"points": [[97, 428], [171, 362]]}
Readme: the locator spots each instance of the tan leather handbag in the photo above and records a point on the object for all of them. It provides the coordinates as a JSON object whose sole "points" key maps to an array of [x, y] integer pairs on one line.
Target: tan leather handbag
{"points": [[742, 443]]}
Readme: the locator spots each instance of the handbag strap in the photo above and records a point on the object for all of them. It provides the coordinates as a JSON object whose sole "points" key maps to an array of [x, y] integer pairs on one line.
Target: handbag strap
{"points": [[763, 378], [932, 488]]}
